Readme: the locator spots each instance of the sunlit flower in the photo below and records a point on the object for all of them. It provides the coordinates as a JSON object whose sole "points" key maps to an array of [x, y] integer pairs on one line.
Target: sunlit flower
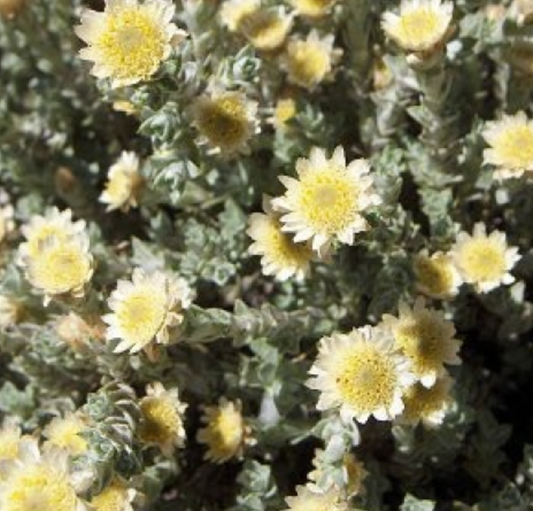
{"points": [[326, 201], [38, 481], [162, 418], [420, 26], [267, 29], [360, 373], [7, 224], [309, 62], [311, 498], [233, 12], [11, 311], [115, 497], [426, 339], [485, 261], [64, 432], [284, 111], [428, 406], [224, 433], [280, 255], [312, 8], [145, 309], [124, 183], [128, 40], [226, 120], [511, 146], [436, 275]]}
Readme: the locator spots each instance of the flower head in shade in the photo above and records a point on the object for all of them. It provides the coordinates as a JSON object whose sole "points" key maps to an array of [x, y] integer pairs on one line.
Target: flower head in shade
{"points": [[124, 183], [233, 12], [484, 260], [311, 498], [36, 480], [115, 497], [309, 62], [280, 255], [145, 309], [426, 339], [436, 275], [312, 8], [129, 40], [284, 110], [225, 120], [267, 29], [64, 433], [225, 431], [361, 374], [420, 26], [326, 201], [511, 146], [428, 406], [162, 418]]}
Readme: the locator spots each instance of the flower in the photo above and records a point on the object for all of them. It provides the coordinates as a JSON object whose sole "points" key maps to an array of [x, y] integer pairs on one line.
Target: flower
{"points": [[436, 275], [226, 120], [326, 201], [145, 309], [7, 225], [284, 111], [129, 40], [64, 433], [10, 438], [280, 255], [485, 261], [360, 373], [421, 25], [162, 418], [11, 311], [267, 29], [309, 62], [522, 11], [312, 8], [10, 8], [41, 481], [428, 406], [61, 267], [233, 12], [311, 498], [511, 146], [124, 183], [115, 497], [224, 433], [78, 332], [426, 339]]}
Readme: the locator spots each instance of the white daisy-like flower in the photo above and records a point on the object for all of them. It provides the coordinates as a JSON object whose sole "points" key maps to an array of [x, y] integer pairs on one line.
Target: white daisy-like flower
{"points": [[114, 497], [426, 339], [312, 498], [511, 146], [309, 62], [145, 309], [361, 374], [36, 480], [484, 260], [64, 433], [420, 26], [436, 275], [225, 432], [226, 120], [233, 12], [326, 201], [312, 8], [124, 183], [280, 255], [129, 40], [428, 406], [162, 418], [267, 29]]}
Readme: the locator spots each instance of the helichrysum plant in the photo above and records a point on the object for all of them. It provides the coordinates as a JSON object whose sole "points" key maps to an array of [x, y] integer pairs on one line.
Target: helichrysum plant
{"points": [[266, 255]]}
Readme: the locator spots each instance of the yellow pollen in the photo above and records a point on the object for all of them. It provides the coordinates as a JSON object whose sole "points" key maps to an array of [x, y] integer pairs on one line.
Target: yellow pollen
{"points": [[308, 62], [482, 260], [515, 146], [435, 274], [111, 499], [161, 421], [419, 26]]}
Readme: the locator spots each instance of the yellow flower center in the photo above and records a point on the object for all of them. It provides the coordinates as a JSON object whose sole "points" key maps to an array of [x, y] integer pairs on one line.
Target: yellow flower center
{"points": [[482, 260], [112, 498], [434, 274], [41, 488], [328, 200], [514, 147], [132, 44], [265, 30], [161, 421], [420, 402], [226, 431], [308, 62], [285, 110], [419, 27], [281, 249], [366, 380], [141, 315]]}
